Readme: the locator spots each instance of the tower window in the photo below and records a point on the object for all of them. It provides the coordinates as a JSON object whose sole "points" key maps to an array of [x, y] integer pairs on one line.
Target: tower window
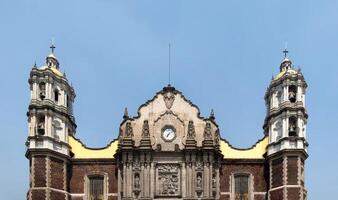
{"points": [[241, 187], [56, 95], [292, 93], [42, 88], [41, 125], [292, 126], [96, 191]]}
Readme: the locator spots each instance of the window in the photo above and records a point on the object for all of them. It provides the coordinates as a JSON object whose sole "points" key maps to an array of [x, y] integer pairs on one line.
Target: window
{"points": [[293, 127], [96, 188], [241, 187], [42, 88], [56, 95]]}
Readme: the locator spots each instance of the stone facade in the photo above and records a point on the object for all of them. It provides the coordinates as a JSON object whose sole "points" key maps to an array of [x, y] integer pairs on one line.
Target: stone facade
{"points": [[167, 151]]}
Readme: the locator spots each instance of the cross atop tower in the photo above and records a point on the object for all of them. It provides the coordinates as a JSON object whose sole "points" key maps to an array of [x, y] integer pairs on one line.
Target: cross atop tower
{"points": [[52, 46], [285, 52]]}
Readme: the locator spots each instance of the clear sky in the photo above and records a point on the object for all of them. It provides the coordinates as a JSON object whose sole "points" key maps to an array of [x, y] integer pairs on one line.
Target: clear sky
{"points": [[115, 53]]}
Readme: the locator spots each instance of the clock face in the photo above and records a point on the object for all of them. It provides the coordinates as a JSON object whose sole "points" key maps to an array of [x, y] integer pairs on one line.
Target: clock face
{"points": [[168, 133]]}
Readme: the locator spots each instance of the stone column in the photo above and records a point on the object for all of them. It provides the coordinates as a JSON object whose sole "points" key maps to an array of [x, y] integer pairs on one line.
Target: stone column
{"points": [[152, 178], [205, 175], [185, 179]]}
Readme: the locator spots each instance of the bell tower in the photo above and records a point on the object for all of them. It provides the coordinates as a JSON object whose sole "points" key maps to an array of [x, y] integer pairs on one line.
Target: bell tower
{"points": [[50, 122], [285, 124]]}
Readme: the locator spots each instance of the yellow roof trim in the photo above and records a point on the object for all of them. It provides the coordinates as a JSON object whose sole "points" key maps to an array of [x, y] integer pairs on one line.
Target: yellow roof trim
{"points": [[53, 69], [255, 152], [80, 151]]}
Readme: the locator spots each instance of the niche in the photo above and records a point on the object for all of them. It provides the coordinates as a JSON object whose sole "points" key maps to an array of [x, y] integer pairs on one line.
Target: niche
{"points": [[42, 89], [292, 93], [292, 126], [41, 125]]}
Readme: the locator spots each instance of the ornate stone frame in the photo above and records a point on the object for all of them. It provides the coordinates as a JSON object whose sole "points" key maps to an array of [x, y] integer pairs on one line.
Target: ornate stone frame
{"points": [[87, 184], [250, 184], [171, 127]]}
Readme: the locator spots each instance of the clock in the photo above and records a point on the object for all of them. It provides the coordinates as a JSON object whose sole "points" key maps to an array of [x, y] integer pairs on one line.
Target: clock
{"points": [[168, 133]]}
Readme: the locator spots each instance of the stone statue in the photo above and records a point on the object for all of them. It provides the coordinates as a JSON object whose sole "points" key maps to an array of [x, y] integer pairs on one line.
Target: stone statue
{"points": [[137, 181], [199, 181], [129, 130]]}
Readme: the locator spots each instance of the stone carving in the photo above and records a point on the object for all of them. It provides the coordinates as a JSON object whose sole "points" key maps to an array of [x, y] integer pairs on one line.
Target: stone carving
{"points": [[217, 135], [145, 129], [129, 130], [137, 181], [191, 130], [169, 99], [199, 180], [168, 180], [207, 131]]}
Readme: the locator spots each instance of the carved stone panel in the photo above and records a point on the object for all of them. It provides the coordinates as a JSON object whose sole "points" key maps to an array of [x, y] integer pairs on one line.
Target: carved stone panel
{"points": [[168, 180]]}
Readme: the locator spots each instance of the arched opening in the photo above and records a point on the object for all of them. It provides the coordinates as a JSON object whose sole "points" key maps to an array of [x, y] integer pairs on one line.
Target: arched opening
{"points": [[42, 90], [41, 125], [292, 93], [292, 126]]}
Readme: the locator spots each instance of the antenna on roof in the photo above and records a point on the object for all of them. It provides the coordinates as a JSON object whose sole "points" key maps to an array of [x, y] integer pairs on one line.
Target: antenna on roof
{"points": [[169, 67]]}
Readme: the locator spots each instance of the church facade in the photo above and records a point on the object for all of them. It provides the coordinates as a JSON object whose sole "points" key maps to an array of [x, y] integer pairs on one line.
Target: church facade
{"points": [[168, 151]]}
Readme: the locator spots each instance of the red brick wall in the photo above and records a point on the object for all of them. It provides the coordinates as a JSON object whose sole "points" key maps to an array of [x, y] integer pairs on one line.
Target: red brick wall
{"points": [[39, 171], [257, 170], [57, 195], [277, 172], [293, 193], [292, 171], [277, 194], [80, 171], [38, 194], [57, 173]]}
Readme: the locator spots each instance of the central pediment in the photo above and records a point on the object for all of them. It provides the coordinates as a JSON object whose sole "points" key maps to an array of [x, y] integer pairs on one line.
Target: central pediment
{"points": [[168, 116]]}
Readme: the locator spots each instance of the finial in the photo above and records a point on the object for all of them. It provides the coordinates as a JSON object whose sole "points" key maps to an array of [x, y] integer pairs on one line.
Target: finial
{"points": [[286, 50], [212, 115], [35, 65], [125, 115], [52, 46]]}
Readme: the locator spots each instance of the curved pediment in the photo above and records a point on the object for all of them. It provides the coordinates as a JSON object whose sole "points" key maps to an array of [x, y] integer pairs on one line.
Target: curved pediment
{"points": [[168, 108]]}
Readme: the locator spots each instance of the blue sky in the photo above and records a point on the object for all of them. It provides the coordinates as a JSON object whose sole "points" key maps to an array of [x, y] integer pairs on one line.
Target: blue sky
{"points": [[115, 54]]}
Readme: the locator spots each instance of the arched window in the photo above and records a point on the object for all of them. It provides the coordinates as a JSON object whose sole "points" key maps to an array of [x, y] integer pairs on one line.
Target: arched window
{"points": [[96, 188], [41, 125], [292, 93], [242, 187], [42, 90], [293, 126]]}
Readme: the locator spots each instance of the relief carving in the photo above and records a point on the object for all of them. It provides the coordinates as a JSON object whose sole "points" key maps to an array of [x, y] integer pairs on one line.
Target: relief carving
{"points": [[191, 130], [145, 129], [207, 131], [169, 99], [129, 130], [168, 180]]}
